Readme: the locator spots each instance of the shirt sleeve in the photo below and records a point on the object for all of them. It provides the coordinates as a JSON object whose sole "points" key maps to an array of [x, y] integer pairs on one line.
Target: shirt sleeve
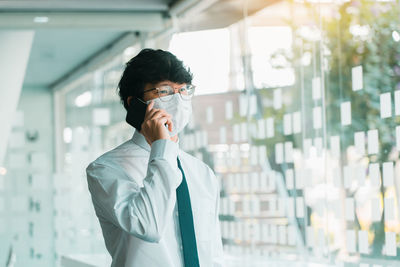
{"points": [[140, 211], [218, 253]]}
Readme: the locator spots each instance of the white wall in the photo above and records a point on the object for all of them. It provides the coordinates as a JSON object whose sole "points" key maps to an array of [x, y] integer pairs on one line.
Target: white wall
{"points": [[15, 47], [27, 193]]}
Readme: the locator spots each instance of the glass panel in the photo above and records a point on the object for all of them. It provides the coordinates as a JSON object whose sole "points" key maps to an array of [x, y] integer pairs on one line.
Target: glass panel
{"points": [[307, 154]]}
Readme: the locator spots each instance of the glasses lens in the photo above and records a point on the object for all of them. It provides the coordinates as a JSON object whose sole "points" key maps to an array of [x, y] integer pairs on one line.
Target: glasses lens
{"points": [[165, 93], [187, 92], [183, 91], [190, 89]]}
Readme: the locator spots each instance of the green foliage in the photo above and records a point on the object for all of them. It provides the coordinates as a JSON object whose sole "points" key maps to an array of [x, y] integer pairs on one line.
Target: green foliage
{"points": [[358, 33]]}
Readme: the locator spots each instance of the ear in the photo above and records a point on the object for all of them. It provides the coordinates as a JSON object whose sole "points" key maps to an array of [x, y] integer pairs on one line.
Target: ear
{"points": [[129, 100]]}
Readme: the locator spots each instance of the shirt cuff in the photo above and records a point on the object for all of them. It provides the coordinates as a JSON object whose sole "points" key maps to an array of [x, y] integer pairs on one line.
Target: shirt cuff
{"points": [[165, 149]]}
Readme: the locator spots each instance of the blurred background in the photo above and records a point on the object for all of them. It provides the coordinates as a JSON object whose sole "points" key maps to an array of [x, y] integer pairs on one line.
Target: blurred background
{"points": [[296, 110]]}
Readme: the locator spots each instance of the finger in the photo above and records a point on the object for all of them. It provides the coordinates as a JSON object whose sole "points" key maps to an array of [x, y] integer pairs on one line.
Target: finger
{"points": [[166, 119], [169, 123], [150, 106], [152, 113], [157, 114], [163, 121], [149, 114], [170, 126], [158, 109], [165, 111]]}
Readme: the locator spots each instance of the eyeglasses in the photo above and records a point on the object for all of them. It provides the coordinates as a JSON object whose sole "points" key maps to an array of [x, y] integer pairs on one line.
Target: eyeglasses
{"points": [[166, 92]]}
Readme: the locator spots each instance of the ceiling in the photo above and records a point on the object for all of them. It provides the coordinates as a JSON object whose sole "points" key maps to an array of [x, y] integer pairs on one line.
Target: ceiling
{"points": [[71, 32], [76, 30], [56, 52], [85, 5]]}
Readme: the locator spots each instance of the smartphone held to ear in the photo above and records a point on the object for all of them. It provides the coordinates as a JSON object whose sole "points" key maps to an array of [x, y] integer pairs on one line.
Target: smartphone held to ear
{"points": [[135, 113]]}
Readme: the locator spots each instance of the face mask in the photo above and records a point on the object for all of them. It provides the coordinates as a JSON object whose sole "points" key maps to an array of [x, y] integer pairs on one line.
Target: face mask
{"points": [[179, 109]]}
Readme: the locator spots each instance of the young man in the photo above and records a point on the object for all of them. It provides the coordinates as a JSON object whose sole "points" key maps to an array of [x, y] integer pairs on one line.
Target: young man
{"points": [[157, 205]]}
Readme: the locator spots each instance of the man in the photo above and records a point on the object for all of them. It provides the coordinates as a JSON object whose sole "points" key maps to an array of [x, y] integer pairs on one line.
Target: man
{"points": [[157, 205]]}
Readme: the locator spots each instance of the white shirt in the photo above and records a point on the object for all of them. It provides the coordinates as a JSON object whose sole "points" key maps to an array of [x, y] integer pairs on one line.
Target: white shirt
{"points": [[133, 190]]}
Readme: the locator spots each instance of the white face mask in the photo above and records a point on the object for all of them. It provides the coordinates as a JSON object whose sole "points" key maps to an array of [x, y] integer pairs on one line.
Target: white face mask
{"points": [[179, 109]]}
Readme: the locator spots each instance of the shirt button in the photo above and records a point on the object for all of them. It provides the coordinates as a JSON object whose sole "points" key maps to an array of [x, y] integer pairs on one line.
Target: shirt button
{"points": [[176, 213], [181, 247]]}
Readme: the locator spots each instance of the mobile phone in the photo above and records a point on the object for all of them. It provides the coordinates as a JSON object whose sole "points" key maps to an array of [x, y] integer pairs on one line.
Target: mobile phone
{"points": [[135, 113]]}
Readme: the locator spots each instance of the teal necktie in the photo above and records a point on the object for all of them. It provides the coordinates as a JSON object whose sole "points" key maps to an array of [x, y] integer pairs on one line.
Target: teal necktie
{"points": [[186, 223]]}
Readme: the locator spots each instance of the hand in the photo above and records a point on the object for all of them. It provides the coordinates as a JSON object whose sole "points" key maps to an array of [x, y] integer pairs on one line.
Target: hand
{"points": [[153, 126]]}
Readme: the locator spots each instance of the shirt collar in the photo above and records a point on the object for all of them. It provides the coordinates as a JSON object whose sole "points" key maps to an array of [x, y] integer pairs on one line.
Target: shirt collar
{"points": [[140, 140]]}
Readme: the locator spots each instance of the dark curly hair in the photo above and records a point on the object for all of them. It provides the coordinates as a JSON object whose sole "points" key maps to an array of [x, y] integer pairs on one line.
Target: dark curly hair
{"points": [[151, 66]]}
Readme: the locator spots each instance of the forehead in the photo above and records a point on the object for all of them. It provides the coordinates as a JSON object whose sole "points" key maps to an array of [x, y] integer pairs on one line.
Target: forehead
{"points": [[167, 82]]}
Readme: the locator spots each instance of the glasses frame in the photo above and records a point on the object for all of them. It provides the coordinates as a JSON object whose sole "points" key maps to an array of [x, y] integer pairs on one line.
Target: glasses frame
{"points": [[158, 91]]}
